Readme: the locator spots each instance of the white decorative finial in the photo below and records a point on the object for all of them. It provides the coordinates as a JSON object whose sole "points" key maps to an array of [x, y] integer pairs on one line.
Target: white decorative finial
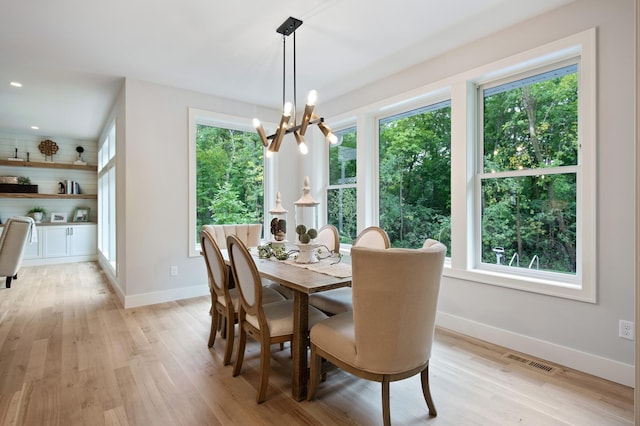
{"points": [[278, 208], [306, 199]]}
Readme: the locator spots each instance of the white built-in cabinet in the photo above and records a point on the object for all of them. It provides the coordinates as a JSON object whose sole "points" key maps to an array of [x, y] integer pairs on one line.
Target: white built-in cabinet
{"points": [[68, 241], [62, 244]]}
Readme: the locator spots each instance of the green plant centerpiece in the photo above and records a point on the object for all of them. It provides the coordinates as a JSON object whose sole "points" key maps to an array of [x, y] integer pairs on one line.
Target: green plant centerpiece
{"points": [[37, 213], [266, 251]]}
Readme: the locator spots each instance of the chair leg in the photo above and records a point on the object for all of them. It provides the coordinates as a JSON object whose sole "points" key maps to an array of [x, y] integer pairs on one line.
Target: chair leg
{"points": [[214, 327], [265, 365], [242, 341], [229, 322], [314, 373], [8, 282], [424, 376], [223, 327], [386, 409]]}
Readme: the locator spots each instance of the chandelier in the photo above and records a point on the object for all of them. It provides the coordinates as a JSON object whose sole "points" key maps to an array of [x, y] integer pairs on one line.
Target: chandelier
{"points": [[309, 117]]}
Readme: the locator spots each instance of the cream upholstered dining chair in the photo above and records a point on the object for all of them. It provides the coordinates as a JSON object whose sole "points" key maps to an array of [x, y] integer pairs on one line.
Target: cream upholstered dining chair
{"points": [[267, 323], [328, 238], [248, 233], [389, 334], [372, 237], [13, 241], [337, 301], [224, 301]]}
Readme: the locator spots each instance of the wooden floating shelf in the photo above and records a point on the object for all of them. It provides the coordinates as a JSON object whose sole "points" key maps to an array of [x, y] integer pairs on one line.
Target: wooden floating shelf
{"points": [[44, 165], [51, 196]]}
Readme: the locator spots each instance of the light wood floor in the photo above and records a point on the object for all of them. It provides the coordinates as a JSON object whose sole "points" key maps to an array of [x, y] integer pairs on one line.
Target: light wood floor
{"points": [[71, 355]]}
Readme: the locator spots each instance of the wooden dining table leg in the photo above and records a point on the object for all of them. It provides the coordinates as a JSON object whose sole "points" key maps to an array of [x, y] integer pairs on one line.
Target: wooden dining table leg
{"points": [[299, 345]]}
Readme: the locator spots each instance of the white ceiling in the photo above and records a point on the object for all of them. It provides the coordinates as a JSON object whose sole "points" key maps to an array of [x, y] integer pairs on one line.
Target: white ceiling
{"points": [[72, 55]]}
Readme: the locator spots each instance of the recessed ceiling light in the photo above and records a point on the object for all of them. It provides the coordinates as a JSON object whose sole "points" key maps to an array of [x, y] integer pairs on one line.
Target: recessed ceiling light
{"points": [[16, 84], [35, 127]]}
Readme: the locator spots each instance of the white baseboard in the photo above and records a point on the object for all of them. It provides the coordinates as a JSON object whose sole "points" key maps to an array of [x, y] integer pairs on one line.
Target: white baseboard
{"points": [[592, 364], [58, 260], [135, 300]]}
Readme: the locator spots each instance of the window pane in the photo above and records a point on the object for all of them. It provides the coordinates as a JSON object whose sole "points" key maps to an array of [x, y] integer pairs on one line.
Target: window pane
{"points": [[342, 207], [530, 221], [229, 176], [415, 176], [532, 123], [341, 194], [342, 158]]}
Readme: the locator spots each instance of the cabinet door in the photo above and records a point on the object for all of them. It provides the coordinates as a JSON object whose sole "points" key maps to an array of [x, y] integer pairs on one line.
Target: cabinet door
{"points": [[33, 250], [56, 241], [83, 240]]}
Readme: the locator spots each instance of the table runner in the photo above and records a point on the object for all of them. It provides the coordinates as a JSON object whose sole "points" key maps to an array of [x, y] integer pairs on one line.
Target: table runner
{"points": [[325, 266]]}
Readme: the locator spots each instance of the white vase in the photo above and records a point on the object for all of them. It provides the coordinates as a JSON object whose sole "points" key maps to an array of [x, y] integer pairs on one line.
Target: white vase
{"points": [[37, 216]]}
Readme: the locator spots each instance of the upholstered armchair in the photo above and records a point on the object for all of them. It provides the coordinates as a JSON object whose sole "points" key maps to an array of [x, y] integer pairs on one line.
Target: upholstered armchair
{"points": [[389, 334], [13, 240]]}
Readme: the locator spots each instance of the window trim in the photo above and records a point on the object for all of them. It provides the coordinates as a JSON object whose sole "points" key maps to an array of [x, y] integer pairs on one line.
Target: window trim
{"points": [[580, 48]]}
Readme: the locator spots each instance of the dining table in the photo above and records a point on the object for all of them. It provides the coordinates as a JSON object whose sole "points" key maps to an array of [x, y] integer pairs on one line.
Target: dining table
{"points": [[303, 279]]}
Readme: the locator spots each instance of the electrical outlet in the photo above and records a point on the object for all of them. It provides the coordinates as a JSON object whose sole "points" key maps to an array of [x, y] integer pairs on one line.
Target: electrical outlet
{"points": [[174, 271], [627, 330]]}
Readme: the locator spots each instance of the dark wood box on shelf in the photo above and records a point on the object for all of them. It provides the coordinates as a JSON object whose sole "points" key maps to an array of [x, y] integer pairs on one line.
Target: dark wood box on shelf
{"points": [[18, 188]]}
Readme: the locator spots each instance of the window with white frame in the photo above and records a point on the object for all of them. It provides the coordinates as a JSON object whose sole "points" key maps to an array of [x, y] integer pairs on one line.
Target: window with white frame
{"points": [[513, 189], [226, 173], [528, 182], [532, 221], [107, 197], [342, 191], [415, 175]]}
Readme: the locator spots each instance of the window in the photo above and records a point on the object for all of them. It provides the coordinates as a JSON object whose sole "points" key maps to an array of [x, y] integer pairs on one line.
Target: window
{"points": [[498, 163], [415, 175], [524, 216], [107, 197], [529, 176], [341, 191], [227, 172]]}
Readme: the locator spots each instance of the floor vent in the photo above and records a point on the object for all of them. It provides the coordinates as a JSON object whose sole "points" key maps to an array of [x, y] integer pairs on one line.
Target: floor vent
{"points": [[533, 364]]}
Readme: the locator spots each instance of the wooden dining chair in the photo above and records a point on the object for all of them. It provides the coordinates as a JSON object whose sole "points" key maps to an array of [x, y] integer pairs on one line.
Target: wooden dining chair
{"points": [[267, 323], [224, 300], [389, 334], [339, 300]]}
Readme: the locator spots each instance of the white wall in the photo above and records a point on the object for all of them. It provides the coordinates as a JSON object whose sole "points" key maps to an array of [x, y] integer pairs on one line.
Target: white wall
{"points": [[153, 184], [153, 210], [578, 334]]}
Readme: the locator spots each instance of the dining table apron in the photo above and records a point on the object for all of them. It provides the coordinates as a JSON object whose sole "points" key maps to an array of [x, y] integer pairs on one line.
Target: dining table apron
{"points": [[302, 282]]}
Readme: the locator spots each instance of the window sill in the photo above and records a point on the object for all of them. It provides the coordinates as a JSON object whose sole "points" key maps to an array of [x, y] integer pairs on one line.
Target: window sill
{"points": [[531, 284]]}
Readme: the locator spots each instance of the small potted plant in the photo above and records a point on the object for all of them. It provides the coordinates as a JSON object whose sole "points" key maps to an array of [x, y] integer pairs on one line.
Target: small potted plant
{"points": [[37, 213]]}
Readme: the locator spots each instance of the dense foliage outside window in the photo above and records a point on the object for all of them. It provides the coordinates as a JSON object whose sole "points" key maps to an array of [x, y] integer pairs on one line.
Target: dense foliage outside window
{"points": [[528, 214], [341, 192], [415, 176], [229, 181]]}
